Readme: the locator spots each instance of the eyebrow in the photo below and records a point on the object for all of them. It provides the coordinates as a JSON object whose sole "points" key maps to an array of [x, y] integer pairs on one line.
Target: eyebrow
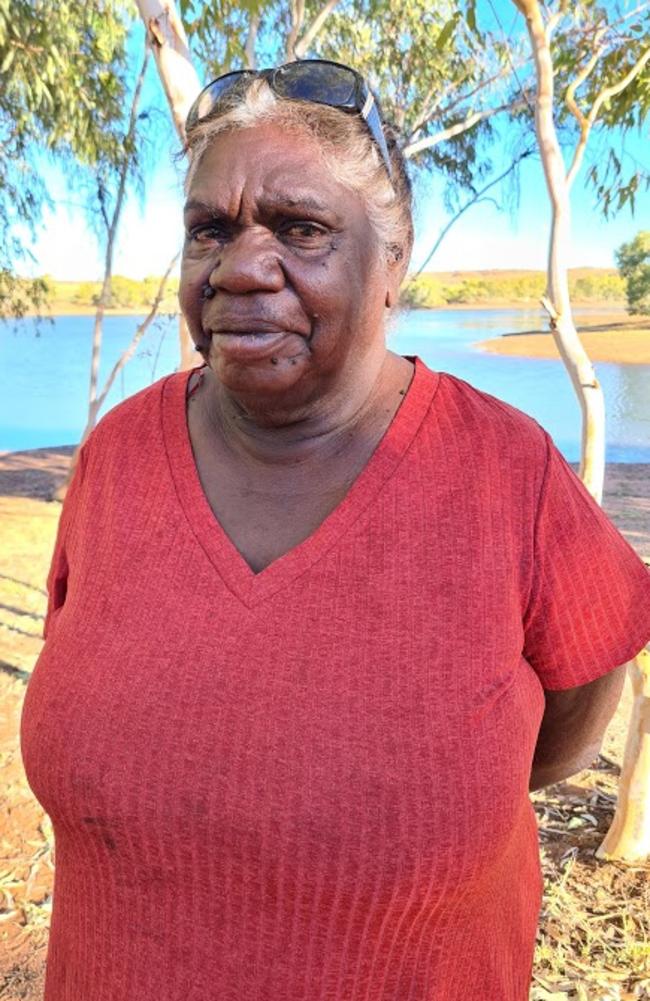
{"points": [[298, 201], [194, 203], [307, 202]]}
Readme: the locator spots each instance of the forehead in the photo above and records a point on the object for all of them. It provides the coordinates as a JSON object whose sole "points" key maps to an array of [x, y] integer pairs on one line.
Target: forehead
{"points": [[270, 164]]}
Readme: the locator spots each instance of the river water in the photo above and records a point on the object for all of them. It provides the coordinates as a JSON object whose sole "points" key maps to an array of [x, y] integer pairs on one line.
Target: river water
{"points": [[44, 378]]}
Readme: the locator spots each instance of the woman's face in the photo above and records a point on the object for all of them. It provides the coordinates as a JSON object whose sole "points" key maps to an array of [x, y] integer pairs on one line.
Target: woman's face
{"points": [[296, 283]]}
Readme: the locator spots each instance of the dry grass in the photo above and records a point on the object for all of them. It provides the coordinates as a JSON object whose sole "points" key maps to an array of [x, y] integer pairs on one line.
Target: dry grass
{"points": [[593, 942]]}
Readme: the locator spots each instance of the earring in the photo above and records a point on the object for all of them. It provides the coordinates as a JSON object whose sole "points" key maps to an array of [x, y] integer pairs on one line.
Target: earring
{"points": [[208, 292]]}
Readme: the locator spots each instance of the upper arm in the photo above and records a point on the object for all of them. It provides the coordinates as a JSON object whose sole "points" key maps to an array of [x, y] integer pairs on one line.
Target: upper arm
{"points": [[588, 610], [584, 712]]}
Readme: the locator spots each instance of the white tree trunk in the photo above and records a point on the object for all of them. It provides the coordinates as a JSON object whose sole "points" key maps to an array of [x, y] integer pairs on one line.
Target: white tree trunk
{"points": [[166, 35], [629, 835], [181, 84], [557, 301]]}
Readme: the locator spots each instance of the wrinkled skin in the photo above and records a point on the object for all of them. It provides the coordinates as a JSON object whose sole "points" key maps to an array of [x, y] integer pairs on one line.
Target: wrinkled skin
{"points": [[285, 250]]}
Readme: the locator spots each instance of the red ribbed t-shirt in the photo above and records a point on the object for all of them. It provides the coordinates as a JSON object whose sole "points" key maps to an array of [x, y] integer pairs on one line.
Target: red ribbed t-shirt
{"points": [[311, 783]]}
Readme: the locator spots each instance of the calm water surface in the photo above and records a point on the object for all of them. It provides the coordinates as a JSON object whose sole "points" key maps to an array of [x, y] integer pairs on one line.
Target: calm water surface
{"points": [[44, 379]]}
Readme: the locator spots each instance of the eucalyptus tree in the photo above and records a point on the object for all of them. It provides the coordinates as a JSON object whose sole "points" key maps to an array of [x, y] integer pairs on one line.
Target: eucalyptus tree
{"points": [[63, 69], [633, 262], [591, 83]]}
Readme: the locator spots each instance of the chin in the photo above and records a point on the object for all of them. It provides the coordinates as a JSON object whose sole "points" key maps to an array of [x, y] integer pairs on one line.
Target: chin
{"points": [[262, 383]]}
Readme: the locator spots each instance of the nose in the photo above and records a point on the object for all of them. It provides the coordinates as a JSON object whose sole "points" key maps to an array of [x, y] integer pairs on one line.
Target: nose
{"points": [[247, 263]]}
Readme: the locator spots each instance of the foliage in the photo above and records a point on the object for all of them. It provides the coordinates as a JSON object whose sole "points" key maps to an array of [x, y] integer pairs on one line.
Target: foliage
{"points": [[454, 66], [126, 293], [615, 36], [430, 290], [633, 260], [428, 63], [63, 71], [599, 45]]}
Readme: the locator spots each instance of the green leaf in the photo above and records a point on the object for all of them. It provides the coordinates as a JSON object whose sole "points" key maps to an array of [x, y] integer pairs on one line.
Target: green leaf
{"points": [[446, 32], [470, 17], [8, 60]]}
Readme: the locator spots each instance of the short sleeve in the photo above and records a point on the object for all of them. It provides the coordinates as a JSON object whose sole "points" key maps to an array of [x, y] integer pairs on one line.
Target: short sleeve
{"points": [[589, 605], [57, 578]]}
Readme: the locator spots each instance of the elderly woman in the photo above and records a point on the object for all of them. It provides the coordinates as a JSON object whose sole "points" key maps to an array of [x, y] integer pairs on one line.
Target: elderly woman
{"points": [[319, 618]]}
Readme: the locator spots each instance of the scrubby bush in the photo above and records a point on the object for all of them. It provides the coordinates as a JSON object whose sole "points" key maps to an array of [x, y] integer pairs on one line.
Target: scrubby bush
{"points": [[633, 260], [525, 288]]}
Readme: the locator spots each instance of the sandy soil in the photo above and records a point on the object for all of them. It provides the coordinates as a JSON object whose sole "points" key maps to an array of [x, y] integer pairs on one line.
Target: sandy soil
{"points": [[616, 341], [583, 950]]}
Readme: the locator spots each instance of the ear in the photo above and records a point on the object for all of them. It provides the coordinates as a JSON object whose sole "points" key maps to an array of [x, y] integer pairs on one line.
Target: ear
{"points": [[396, 269], [392, 295]]}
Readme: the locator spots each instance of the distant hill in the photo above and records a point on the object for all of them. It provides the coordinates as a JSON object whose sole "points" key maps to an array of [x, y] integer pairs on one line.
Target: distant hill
{"points": [[598, 286], [129, 295], [595, 286]]}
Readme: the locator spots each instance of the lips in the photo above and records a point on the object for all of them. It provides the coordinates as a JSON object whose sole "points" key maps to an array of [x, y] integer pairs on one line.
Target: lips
{"points": [[245, 346], [247, 326]]}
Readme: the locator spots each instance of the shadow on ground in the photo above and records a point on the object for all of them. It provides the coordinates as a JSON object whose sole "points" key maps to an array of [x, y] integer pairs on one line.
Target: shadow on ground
{"points": [[36, 473]]}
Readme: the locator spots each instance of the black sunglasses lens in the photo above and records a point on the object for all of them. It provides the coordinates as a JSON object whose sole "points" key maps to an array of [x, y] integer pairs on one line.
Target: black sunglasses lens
{"points": [[212, 94], [324, 83]]}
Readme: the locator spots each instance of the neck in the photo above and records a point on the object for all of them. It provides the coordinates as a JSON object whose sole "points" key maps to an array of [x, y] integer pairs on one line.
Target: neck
{"points": [[277, 435]]}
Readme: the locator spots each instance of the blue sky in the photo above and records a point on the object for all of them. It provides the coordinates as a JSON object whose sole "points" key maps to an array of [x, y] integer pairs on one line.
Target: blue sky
{"points": [[150, 230]]}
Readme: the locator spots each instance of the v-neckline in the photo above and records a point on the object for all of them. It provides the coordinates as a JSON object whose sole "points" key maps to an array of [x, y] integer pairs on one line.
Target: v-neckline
{"points": [[245, 584]]}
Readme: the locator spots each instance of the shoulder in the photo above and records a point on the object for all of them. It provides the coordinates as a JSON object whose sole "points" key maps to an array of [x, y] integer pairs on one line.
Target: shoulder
{"points": [[133, 421], [475, 404], [487, 424]]}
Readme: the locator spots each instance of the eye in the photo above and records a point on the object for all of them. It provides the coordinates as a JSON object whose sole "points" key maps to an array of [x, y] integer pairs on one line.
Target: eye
{"points": [[301, 232], [208, 233]]}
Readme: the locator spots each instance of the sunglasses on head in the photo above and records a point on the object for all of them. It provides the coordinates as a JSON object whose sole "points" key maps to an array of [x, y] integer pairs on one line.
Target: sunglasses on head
{"points": [[318, 80]]}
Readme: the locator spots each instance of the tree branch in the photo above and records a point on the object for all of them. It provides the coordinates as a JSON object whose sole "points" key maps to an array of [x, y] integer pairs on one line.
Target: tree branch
{"points": [[412, 148], [141, 330], [251, 38], [297, 18], [506, 43], [630, 14], [479, 196], [302, 46], [126, 162], [111, 226], [587, 69], [578, 114], [430, 106], [32, 50], [587, 122], [554, 19]]}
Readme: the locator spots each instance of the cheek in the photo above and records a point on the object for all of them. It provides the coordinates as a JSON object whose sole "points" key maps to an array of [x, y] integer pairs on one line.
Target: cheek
{"points": [[190, 290], [333, 289], [349, 292]]}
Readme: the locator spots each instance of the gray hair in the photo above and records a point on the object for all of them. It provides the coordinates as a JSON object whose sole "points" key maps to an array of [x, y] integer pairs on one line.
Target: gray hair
{"points": [[347, 148]]}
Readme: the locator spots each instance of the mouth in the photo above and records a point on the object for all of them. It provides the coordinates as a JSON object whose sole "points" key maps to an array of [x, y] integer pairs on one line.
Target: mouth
{"points": [[251, 325], [257, 341]]}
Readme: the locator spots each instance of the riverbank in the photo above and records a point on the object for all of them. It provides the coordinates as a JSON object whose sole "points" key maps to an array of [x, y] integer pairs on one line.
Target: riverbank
{"points": [[79, 309], [609, 337]]}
